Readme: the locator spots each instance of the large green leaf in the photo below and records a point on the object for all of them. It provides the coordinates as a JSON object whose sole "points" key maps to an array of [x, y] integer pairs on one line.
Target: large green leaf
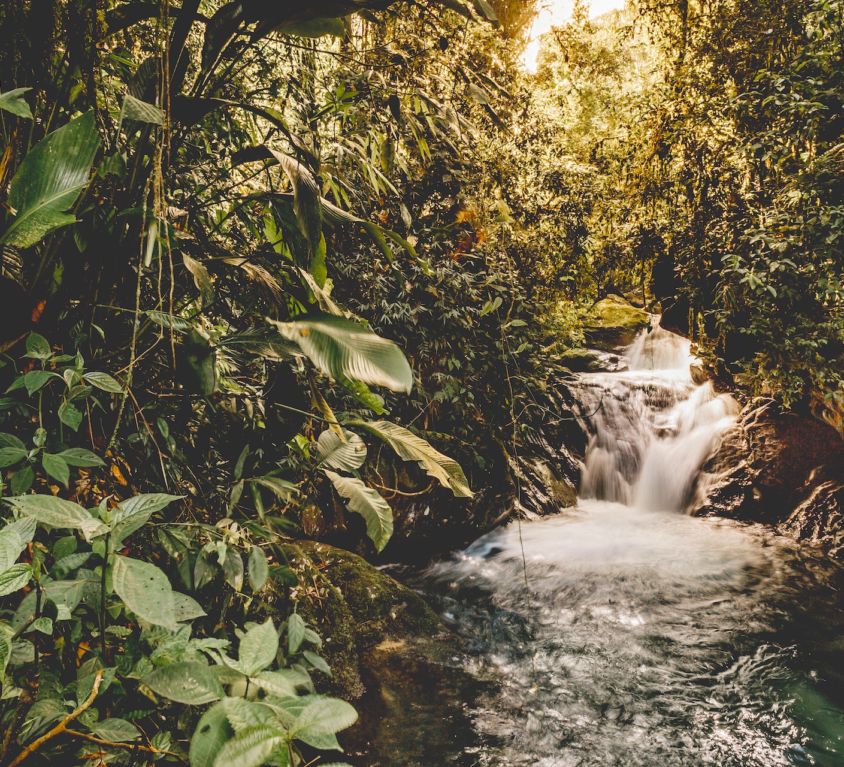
{"points": [[211, 734], [365, 501], [346, 453], [13, 540], [190, 683], [324, 716], [49, 181], [56, 512], [145, 590], [306, 199], [258, 648], [341, 348], [251, 747], [16, 577], [133, 513], [411, 447], [14, 102]]}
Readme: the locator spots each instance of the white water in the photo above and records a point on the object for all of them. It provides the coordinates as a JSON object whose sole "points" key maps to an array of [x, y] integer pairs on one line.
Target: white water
{"points": [[627, 632]]}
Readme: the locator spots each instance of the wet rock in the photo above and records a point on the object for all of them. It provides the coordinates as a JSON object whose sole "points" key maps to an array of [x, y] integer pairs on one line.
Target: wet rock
{"points": [[780, 468], [592, 361], [356, 607], [699, 373], [613, 323]]}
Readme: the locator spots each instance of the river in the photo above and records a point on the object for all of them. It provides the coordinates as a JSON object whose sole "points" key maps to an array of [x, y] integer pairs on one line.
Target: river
{"points": [[625, 631]]}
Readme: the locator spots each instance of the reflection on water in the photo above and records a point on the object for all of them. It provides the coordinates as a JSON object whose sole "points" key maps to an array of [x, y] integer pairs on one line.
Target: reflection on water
{"points": [[628, 633]]}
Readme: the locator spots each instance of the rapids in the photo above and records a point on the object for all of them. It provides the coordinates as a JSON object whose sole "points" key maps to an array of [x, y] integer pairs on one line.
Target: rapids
{"points": [[626, 632]]}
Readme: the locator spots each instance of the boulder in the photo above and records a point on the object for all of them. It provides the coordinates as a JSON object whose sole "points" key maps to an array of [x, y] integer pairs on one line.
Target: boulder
{"points": [[613, 323], [355, 607], [780, 468], [592, 361]]}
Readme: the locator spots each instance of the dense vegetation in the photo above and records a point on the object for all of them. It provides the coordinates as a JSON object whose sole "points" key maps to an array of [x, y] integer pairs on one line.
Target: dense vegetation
{"points": [[246, 246]]}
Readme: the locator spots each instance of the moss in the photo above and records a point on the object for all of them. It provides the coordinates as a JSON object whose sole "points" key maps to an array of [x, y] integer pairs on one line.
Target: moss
{"points": [[355, 607], [613, 322]]}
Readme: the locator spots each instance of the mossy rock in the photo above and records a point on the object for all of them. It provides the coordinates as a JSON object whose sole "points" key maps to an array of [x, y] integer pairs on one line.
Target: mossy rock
{"points": [[355, 607], [591, 361], [613, 323]]}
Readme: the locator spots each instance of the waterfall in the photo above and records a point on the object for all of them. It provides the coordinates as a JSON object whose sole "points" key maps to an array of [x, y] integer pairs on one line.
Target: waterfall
{"points": [[651, 428]]}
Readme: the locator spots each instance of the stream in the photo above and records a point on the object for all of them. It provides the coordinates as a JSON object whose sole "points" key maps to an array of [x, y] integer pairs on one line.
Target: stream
{"points": [[624, 631]]}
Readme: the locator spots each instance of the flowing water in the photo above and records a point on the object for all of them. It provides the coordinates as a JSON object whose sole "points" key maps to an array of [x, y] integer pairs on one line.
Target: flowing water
{"points": [[626, 632]]}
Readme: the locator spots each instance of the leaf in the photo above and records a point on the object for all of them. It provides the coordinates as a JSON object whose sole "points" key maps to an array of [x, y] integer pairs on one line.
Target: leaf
{"points": [[13, 101], [295, 632], [10, 440], [257, 568], [251, 747], [133, 513], [103, 381], [201, 279], [258, 648], [22, 479], [372, 507], [13, 540], [317, 661], [336, 453], [140, 111], [211, 734], [9, 456], [186, 608], [16, 577], [243, 713], [341, 348], [116, 730], [70, 415], [49, 181], [145, 590], [191, 683], [324, 716], [59, 513], [306, 199], [282, 683], [280, 487], [411, 447], [233, 569], [37, 379], [56, 467], [37, 347], [80, 457]]}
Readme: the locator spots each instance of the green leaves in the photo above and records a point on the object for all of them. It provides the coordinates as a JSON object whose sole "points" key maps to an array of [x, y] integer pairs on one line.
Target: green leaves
{"points": [[258, 648], [410, 447], [211, 734], [103, 381], [257, 569], [251, 747], [56, 467], [14, 578], [341, 348], [56, 512], [50, 180], [146, 591], [133, 513], [375, 511], [346, 453], [140, 111], [13, 101], [191, 683]]}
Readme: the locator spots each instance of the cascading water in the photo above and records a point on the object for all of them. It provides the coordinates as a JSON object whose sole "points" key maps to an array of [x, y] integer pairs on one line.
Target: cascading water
{"points": [[626, 632]]}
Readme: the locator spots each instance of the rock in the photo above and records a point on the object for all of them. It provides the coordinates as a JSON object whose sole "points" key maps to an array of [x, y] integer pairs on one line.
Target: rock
{"points": [[355, 607], [780, 468], [592, 361], [698, 372], [613, 323]]}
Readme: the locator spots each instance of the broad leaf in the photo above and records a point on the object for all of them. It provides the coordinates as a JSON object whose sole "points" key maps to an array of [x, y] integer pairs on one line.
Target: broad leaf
{"points": [[140, 111], [341, 348], [145, 590], [295, 632], [50, 180], [411, 447], [16, 577], [115, 730], [211, 734], [369, 504], [13, 540], [258, 569], [190, 683], [337, 453], [9, 456], [251, 747], [80, 457], [258, 648], [59, 513], [56, 467], [13, 101], [103, 381], [324, 716]]}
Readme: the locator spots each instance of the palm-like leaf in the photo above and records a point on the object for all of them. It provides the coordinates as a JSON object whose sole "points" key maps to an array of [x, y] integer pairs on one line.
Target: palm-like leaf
{"points": [[375, 511], [341, 349], [411, 447], [49, 181]]}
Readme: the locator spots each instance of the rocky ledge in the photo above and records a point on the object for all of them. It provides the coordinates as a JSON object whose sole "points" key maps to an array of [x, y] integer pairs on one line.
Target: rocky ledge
{"points": [[782, 469]]}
